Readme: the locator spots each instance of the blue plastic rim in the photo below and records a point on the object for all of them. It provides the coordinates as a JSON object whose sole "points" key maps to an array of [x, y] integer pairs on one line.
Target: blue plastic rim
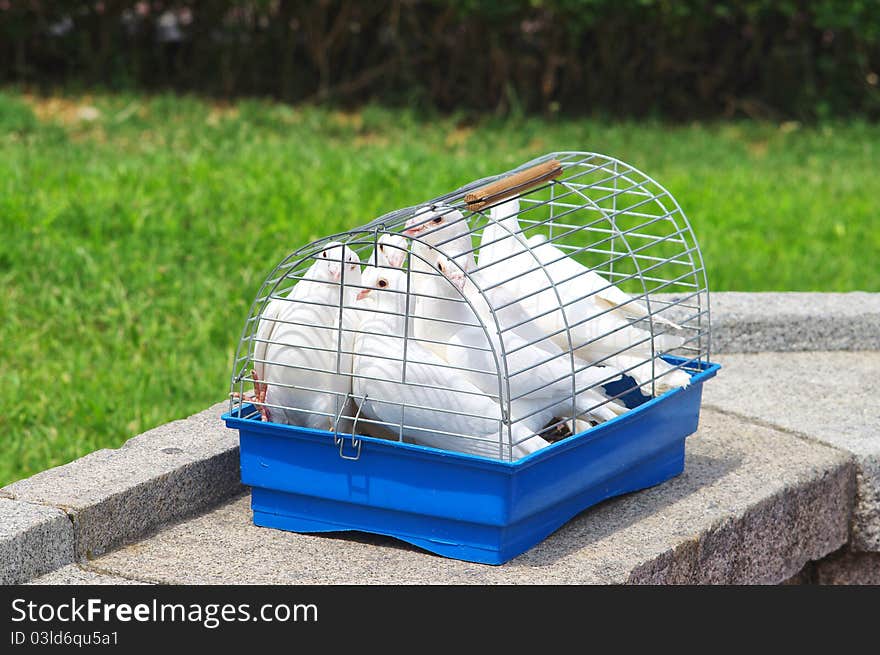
{"points": [[453, 504]]}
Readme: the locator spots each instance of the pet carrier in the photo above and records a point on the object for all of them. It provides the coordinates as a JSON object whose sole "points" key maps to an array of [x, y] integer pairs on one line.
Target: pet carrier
{"points": [[468, 374]]}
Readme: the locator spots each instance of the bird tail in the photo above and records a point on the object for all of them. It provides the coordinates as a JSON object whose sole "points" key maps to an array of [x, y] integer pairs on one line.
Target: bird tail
{"points": [[666, 342], [672, 379], [639, 310], [629, 307], [525, 441], [582, 424], [666, 376], [591, 404]]}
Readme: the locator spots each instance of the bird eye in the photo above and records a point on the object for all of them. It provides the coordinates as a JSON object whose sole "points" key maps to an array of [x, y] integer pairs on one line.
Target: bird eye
{"points": [[323, 253], [439, 219], [440, 266], [383, 284]]}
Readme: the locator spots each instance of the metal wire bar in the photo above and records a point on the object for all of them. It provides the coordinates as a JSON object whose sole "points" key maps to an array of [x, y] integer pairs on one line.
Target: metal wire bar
{"points": [[357, 331], [452, 208], [624, 232], [442, 410], [574, 228], [623, 238], [384, 402], [634, 298], [376, 379], [563, 306]]}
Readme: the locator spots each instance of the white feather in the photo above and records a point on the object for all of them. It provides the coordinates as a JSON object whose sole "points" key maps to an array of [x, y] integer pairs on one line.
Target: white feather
{"points": [[298, 341], [537, 373], [430, 388], [577, 313]]}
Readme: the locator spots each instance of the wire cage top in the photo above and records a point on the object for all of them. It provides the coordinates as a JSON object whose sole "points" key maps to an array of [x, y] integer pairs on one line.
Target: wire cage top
{"points": [[493, 320]]}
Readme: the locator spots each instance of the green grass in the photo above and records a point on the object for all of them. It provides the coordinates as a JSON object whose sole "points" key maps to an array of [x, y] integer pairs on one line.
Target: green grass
{"points": [[134, 242]]}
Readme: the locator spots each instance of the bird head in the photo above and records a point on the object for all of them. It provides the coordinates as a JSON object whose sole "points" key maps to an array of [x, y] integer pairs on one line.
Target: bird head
{"points": [[392, 250], [376, 280], [429, 222], [334, 257], [449, 270]]}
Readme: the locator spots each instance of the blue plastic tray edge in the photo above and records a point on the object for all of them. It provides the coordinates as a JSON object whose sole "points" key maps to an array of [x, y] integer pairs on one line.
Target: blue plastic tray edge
{"points": [[276, 429]]}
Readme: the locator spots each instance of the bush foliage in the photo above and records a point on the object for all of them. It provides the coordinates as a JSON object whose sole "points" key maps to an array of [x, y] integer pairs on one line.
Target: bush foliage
{"points": [[675, 58]]}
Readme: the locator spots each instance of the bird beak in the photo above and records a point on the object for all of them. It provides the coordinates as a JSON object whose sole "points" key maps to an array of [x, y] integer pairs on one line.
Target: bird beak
{"points": [[363, 293], [396, 260], [418, 229], [457, 281], [335, 273]]}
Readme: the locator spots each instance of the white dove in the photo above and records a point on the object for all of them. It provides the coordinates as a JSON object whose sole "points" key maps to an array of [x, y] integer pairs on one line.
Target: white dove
{"points": [[390, 251], [298, 345], [597, 312], [436, 405], [537, 372], [446, 229]]}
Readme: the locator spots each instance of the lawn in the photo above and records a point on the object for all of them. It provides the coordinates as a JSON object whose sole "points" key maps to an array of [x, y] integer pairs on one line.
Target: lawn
{"points": [[137, 229]]}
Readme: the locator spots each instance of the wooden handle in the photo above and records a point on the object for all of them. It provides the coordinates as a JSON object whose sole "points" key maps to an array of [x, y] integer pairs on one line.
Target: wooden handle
{"points": [[513, 185]]}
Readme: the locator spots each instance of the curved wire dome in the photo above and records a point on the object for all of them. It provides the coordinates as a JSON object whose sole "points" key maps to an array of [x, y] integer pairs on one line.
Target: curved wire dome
{"points": [[596, 216]]}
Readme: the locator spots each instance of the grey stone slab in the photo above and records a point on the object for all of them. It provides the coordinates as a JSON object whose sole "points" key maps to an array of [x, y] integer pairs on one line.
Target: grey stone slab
{"points": [[33, 540], [753, 505], [116, 496], [832, 397], [848, 568], [77, 574], [759, 322]]}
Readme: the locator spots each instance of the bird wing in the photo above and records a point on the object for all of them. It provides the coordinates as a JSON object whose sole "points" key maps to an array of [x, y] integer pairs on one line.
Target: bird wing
{"points": [[309, 352], [432, 388], [614, 298], [265, 330], [576, 280]]}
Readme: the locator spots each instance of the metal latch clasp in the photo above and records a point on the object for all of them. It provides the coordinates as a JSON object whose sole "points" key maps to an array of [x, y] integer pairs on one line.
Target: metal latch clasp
{"points": [[356, 442]]}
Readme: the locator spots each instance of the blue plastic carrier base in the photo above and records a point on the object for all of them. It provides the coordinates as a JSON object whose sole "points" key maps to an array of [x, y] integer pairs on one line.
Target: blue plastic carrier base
{"points": [[458, 505]]}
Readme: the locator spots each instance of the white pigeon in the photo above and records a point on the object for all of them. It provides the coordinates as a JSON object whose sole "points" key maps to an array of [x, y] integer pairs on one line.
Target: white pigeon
{"points": [[567, 299], [436, 228], [390, 251], [536, 371], [446, 229], [298, 345], [435, 405]]}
